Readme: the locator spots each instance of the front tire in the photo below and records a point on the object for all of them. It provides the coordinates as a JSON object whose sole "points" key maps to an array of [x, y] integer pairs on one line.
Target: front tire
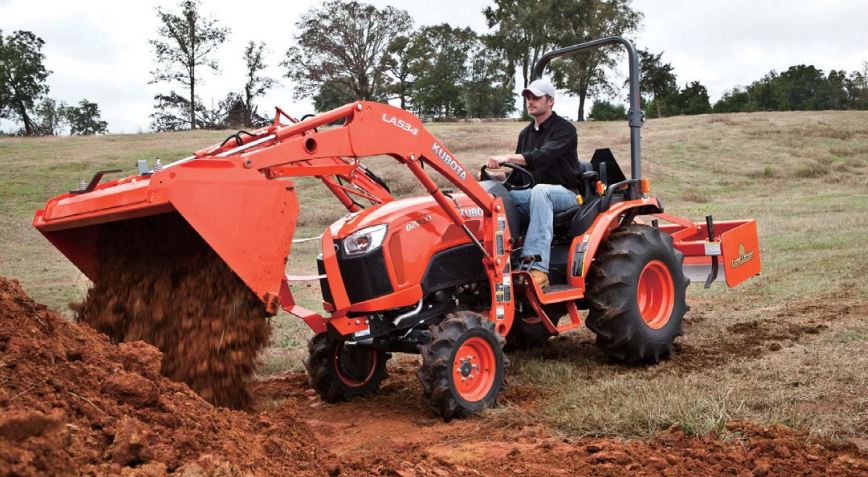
{"points": [[338, 371], [463, 366], [636, 291]]}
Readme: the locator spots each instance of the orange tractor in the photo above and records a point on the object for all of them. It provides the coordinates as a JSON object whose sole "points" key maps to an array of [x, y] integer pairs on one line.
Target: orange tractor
{"points": [[438, 274]]}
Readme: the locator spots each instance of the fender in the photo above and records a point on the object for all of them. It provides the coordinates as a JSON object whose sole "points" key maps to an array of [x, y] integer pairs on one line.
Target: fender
{"points": [[584, 247]]}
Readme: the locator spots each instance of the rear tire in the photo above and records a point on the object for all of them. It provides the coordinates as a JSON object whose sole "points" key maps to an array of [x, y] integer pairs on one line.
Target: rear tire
{"points": [[463, 366], [636, 292], [338, 372]]}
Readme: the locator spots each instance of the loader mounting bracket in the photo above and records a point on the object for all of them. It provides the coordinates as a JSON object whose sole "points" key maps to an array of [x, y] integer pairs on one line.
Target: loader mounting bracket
{"points": [[94, 181]]}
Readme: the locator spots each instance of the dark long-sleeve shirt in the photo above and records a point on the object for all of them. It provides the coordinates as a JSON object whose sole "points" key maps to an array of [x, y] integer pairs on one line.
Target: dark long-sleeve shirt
{"points": [[550, 151]]}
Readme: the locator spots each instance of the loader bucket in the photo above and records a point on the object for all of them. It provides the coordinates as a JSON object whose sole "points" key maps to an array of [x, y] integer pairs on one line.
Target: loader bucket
{"points": [[246, 219]]}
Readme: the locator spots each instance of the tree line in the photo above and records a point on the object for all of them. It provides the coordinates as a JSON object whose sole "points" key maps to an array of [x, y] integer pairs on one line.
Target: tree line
{"points": [[799, 88], [24, 93], [346, 50]]}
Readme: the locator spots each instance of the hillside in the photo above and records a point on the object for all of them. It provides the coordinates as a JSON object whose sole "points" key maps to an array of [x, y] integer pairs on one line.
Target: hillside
{"points": [[790, 347]]}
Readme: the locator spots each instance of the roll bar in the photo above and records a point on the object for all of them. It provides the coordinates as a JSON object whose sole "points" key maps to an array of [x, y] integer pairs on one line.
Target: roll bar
{"points": [[635, 116]]}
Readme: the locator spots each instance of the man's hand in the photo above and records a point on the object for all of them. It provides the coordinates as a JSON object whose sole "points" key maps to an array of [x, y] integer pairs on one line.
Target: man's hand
{"points": [[494, 162], [499, 176]]}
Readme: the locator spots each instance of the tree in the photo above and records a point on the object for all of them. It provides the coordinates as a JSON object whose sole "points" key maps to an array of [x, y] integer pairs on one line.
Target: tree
{"points": [[657, 80], [344, 45], [585, 20], [187, 42], [764, 93], [606, 111], [856, 85], [734, 101], [22, 77], [440, 70], [84, 119], [523, 31], [173, 112], [488, 88], [256, 85], [693, 99], [50, 117], [399, 57], [231, 112], [799, 88], [332, 95], [834, 92]]}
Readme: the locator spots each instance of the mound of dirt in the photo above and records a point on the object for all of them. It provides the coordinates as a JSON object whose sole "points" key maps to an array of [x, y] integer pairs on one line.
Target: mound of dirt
{"points": [[73, 403], [159, 282]]}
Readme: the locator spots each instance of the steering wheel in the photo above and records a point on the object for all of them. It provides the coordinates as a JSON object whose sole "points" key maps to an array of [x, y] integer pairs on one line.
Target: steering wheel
{"points": [[529, 181]]}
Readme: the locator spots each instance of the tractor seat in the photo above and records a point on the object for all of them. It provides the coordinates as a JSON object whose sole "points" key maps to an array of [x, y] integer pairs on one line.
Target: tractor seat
{"points": [[563, 219]]}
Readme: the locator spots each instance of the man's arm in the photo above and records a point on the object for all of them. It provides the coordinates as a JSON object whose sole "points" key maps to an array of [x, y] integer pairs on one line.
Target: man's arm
{"points": [[494, 162]]}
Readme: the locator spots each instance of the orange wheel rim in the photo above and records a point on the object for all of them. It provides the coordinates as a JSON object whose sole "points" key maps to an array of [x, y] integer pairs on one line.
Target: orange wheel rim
{"points": [[346, 377], [655, 294], [473, 369]]}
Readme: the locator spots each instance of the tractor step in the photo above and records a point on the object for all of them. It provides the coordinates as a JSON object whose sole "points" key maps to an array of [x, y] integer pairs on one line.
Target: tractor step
{"points": [[558, 293], [556, 288], [550, 294]]}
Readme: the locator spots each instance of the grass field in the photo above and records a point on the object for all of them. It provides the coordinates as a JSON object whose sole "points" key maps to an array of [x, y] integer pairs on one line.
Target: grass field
{"points": [[789, 347]]}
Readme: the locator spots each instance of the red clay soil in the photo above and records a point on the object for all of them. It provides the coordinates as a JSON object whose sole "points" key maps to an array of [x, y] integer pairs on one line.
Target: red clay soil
{"points": [[73, 403], [394, 434], [161, 283]]}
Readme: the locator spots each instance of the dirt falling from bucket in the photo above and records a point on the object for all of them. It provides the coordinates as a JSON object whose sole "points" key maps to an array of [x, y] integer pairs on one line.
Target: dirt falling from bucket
{"points": [[161, 283]]}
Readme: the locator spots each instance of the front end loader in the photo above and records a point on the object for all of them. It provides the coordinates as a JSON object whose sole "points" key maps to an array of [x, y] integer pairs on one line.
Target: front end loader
{"points": [[439, 274]]}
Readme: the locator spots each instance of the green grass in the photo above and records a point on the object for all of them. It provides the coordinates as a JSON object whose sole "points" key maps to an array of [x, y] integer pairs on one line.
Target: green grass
{"points": [[803, 176]]}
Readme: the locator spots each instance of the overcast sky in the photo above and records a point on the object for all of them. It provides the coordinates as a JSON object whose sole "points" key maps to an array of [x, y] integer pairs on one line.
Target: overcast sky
{"points": [[99, 50]]}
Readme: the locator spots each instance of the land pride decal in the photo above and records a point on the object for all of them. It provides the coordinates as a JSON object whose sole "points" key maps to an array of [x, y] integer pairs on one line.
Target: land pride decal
{"points": [[449, 161], [743, 257]]}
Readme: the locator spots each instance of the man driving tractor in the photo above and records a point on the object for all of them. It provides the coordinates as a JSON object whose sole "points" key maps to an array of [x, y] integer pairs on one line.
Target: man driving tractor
{"points": [[547, 148]]}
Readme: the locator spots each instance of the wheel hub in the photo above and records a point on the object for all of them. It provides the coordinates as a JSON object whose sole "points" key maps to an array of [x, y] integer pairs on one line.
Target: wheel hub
{"points": [[354, 366], [473, 369], [467, 367], [655, 294]]}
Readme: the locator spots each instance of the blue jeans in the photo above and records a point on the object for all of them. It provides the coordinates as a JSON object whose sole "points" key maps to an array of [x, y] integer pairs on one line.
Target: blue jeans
{"points": [[540, 204]]}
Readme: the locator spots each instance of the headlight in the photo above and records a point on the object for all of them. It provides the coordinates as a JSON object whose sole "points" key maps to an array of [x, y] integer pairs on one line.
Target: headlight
{"points": [[365, 240]]}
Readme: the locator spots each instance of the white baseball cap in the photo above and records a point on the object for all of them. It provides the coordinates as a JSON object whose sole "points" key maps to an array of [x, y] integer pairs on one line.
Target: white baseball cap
{"points": [[540, 87]]}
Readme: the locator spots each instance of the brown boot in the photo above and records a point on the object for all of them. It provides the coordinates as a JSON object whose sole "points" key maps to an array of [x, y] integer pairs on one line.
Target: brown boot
{"points": [[540, 277]]}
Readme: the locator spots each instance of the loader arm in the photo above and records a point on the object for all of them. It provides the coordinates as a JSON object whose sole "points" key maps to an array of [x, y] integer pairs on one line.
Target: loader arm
{"points": [[239, 196], [374, 129]]}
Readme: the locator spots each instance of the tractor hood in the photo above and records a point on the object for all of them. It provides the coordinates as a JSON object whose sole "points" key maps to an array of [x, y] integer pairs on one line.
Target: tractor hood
{"points": [[400, 213]]}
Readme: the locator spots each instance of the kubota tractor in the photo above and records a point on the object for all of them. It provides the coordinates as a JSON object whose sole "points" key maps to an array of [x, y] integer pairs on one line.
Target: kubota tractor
{"points": [[437, 274]]}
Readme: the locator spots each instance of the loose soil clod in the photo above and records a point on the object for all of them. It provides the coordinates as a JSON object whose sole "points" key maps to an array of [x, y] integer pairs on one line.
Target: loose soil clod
{"points": [[161, 283]]}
